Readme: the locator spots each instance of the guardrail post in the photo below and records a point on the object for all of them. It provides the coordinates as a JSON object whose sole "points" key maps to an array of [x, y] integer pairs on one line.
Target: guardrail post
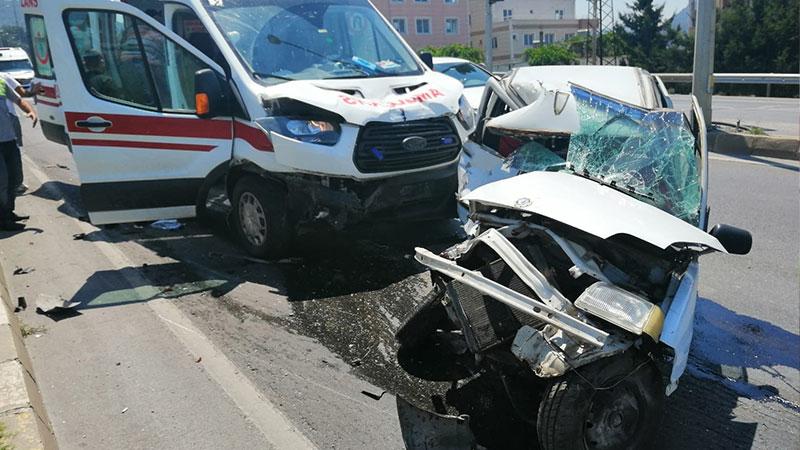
{"points": [[703, 75]]}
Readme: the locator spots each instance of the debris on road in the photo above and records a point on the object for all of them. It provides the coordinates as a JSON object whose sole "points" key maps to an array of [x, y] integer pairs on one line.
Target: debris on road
{"points": [[79, 236], [124, 410], [22, 304], [166, 224], [46, 303], [375, 397], [23, 270]]}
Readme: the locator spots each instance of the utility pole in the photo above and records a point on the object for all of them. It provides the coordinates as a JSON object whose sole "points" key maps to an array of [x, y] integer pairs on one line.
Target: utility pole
{"points": [[703, 74], [487, 34]]}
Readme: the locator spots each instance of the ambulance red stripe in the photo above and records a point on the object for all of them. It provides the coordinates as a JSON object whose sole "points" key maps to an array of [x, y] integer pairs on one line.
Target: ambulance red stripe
{"points": [[155, 126], [140, 144]]}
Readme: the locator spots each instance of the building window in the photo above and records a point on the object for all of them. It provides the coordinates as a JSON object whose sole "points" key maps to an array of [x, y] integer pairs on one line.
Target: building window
{"points": [[507, 14], [399, 24], [527, 40], [559, 14], [398, 1], [549, 38], [450, 26], [423, 26], [494, 42], [421, 1], [568, 36], [450, 2]]}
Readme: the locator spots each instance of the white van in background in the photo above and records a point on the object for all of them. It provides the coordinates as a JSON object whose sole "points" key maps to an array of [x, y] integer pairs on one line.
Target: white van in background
{"points": [[15, 62], [311, 110]]}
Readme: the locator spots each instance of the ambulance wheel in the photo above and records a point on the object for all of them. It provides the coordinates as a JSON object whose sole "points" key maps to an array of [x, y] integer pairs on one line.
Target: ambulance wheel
{"points": [[614, 403], [260, 218]]}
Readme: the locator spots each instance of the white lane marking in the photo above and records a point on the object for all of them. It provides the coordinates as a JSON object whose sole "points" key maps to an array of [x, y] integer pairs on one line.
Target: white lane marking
{"points": [[750, 161], [276, 428]]}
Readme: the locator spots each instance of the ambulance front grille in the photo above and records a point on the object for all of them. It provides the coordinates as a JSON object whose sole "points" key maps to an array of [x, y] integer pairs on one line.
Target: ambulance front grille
{"points": [[380, 145]]}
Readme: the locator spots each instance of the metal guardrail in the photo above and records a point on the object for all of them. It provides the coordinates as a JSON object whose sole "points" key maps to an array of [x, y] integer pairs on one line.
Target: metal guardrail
{"points": [[736, 78]]}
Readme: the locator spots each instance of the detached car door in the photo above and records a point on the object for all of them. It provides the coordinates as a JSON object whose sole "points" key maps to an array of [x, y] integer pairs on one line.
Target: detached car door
{"points": [[127, 92]]}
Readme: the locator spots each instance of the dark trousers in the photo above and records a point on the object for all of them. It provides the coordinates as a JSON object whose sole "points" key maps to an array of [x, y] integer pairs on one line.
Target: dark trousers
{"points": [[18, 130], [10, 177]]}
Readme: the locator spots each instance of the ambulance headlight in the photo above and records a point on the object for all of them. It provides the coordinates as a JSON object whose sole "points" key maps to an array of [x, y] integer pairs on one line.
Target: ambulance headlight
{"points": [[320, 132], [466, 115], [622, 308]]}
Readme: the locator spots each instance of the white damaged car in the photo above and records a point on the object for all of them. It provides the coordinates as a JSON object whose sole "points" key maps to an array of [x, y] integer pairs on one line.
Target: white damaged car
{"points": [[587, 213]]}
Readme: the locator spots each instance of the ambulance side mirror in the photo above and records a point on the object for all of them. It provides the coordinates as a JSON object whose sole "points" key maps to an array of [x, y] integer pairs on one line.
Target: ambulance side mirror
{"points": [[427, 58], [209, 94]]}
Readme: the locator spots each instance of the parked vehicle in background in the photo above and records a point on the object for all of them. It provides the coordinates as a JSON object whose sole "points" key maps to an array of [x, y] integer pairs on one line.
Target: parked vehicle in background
{"points": [[15, 62], [311, 111], [472, 76], [587, 214]]}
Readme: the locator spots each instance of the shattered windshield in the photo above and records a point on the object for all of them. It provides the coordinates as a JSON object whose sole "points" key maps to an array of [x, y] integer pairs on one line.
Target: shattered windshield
{"points": [[649, 154], [318, 39]]}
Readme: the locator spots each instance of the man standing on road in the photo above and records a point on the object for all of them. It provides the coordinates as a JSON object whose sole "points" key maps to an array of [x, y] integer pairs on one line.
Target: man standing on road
{"points": [[13, 84], [10, 165]]}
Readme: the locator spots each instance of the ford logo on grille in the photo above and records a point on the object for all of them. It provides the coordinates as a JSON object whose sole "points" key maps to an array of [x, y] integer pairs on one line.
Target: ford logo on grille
{"points": [[415, 143]]}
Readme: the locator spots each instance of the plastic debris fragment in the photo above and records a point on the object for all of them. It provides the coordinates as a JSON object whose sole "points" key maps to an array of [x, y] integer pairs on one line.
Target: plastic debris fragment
{"points": [[166, 224]]}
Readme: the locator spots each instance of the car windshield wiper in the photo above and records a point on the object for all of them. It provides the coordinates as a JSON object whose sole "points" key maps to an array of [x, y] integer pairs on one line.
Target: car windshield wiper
{"points": [[629, 190], [262, 75]]}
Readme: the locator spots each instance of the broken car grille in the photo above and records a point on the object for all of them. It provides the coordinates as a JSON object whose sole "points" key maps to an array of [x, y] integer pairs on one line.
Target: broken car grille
{"points": [[486, 321], [388, 147]]}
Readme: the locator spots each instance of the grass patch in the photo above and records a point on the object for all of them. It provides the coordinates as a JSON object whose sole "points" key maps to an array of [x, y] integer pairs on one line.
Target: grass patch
{"points": [[27, 330], [5, 438], [758, 131]]}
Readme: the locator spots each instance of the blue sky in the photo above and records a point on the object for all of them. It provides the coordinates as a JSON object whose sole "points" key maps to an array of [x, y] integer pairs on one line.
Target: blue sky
{"points": [[672, 6]]}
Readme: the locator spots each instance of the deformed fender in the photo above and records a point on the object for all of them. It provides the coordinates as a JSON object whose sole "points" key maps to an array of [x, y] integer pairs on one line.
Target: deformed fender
{"points": [[679, 324], [425, 430]]}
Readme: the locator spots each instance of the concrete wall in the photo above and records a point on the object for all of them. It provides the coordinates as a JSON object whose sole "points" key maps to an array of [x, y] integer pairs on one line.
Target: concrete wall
{"points": [[435, 10]]}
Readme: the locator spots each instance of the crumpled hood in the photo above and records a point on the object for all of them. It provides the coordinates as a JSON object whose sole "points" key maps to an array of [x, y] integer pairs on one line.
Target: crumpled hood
{"points": [[376, 99], [589, 206]]}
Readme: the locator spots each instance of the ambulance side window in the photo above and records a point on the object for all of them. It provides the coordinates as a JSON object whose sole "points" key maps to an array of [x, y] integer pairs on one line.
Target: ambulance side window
{"points": [[124, 60], [187, 25]]}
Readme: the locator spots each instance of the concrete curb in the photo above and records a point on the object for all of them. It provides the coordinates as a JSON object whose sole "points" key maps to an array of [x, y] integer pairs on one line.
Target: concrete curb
{"points": [[784, 147], [21, 409]]}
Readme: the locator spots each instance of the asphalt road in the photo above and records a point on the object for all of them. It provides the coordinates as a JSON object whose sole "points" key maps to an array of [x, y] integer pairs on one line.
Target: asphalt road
{"points": [[777, 116], [312, 333]]}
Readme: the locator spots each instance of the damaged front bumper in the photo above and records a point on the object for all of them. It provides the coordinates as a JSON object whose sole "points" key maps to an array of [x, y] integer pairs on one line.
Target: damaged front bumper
{"points": [[339, 202]]}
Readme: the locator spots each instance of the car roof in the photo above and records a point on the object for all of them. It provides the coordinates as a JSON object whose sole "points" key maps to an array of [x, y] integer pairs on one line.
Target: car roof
{"points": [[448, 60], [629, 84], [12, 53]]}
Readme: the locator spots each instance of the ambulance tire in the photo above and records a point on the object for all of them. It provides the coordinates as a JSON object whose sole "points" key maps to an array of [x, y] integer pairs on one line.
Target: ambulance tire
{"points": [[260, 217]]}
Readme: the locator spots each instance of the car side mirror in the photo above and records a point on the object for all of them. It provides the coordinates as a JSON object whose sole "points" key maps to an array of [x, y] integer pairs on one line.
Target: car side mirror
{"points": [[427, 58], [209, 94], [735, 240]]}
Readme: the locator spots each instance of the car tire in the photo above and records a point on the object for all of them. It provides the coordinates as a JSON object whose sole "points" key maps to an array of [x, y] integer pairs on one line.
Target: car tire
{"points": [[259, 216], [624, 414]]}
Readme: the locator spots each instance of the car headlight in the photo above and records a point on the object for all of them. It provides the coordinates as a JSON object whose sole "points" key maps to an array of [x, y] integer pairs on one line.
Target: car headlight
{"points": [[320, 132], [622, 308], [466, 115]]}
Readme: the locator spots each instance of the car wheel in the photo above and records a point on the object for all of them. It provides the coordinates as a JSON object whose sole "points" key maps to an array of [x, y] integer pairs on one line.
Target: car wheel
{"points": [[260, 218], [615, 403]]}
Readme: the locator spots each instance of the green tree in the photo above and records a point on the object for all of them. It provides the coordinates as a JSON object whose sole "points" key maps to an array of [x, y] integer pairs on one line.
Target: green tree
{"points": [[649, 41], [758, 36], [548, 55], [457, 51]]}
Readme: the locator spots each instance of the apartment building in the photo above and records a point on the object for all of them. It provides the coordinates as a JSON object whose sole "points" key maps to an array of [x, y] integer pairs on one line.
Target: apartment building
{"points": [[521, 24], [428, 22]]}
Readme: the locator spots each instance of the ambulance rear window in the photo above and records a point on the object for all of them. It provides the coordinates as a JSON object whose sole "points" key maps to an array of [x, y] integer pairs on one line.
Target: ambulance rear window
{"points": [[40, 48]]}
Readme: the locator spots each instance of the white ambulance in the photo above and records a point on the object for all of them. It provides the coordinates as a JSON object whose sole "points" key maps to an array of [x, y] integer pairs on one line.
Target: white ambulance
{"points": [[15, 62], [311, 110]]}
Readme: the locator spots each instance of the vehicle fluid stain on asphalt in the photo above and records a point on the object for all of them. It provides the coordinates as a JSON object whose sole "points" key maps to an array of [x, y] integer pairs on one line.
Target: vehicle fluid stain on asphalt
{"points": [[351, 293]]}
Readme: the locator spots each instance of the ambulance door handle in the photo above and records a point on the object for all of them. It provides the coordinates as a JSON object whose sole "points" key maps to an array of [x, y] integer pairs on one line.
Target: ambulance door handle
{"points": [[93, 123]]}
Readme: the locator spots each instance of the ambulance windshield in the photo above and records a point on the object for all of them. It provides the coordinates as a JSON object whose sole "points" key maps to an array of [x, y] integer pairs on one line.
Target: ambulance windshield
{"points": [[314, 39]]}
